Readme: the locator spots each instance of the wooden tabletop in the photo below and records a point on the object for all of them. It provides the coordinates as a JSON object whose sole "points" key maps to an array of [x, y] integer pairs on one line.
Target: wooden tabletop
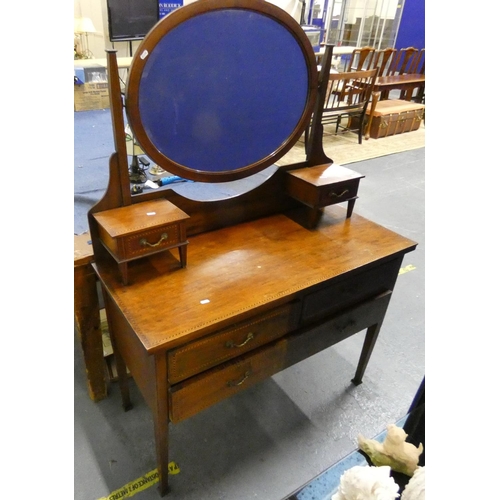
{"points": [[407, 78], [83, 251], [245, 269]]}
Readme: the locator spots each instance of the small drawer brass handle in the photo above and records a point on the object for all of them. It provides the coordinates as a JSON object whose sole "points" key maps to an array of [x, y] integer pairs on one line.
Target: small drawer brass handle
{"points": [[230, 343], [145, 243], [232, 383], [333, 194]]}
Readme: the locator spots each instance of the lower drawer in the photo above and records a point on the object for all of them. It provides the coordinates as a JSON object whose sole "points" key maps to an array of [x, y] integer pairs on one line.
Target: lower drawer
{"points": [[200, 392]]}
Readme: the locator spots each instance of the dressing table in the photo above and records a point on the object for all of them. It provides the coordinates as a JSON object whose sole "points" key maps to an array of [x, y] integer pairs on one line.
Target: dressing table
{"points": [[218, 91]]}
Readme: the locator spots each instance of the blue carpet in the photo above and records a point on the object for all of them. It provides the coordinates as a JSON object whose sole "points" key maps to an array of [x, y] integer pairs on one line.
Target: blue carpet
{"points": [[94, 144]]}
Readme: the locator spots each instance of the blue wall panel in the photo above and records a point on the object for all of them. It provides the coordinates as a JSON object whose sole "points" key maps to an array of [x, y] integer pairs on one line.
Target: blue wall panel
{"points": [[412, 28]]}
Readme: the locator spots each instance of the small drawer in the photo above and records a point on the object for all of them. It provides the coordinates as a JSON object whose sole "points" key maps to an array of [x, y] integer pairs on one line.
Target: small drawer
{"points": [[153, 240], [134, 231], [194, 395], [323, 185], [337, 193], [350, 291], [205, 353]]}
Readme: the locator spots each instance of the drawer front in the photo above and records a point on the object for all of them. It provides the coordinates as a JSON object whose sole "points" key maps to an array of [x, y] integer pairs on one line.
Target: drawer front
{"points": [[333, 329], [337, 193], [200, 392], [205, 353], [150, 241], [350, 291]]}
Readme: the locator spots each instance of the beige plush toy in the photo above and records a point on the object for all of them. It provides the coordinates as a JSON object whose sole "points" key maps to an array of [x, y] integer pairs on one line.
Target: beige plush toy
{"points": [[394, 451]]}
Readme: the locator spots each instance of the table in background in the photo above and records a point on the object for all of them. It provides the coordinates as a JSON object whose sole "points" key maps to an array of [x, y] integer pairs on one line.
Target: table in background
{"points": [[407, 83], [87, 317]]}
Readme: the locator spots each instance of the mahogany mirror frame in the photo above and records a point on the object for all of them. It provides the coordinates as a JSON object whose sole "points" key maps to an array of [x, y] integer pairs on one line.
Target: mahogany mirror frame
{"points": [[174, 19]]}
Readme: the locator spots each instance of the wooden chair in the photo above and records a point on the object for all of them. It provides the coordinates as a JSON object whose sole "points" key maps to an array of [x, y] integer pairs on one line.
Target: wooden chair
{"points": [[347, 96], [417, 66], [383, 59], [405, 61], [361, 59], [418, 63]]}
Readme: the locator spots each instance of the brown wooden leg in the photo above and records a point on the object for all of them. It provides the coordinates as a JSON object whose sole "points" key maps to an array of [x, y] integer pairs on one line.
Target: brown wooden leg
{"points": [[121, 368], [350, 207], [420, 95], [313, 217], [88, 325], [183, 255], [370, 339], [160, 415], [123, 266], [373, 106]]}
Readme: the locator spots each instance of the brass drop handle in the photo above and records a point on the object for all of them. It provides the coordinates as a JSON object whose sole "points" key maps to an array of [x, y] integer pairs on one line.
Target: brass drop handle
{"points": [[333, 194], [232, 383], [145, 243], [230, 343]]}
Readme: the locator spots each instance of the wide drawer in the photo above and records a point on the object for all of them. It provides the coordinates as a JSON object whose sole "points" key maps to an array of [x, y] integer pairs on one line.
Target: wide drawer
{"points": [[194, 395], [205, 353], [350, 291]]}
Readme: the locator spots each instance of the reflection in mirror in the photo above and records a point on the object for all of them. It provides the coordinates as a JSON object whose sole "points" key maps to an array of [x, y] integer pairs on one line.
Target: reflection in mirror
{"points": [[205, 191]]}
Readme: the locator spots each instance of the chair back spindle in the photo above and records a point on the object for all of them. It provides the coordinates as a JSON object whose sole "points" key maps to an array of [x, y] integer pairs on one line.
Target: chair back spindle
{"points": [[383, 59], [361, 59], [404, 61]]}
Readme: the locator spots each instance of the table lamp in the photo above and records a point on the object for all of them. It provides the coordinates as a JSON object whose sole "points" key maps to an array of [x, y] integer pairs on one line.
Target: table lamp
{"points": [[84, 25]]}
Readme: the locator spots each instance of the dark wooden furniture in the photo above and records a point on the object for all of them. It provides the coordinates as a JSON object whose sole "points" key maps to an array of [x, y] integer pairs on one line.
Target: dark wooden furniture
{"points": [[399, 69], [347, 97], [321, 186], [263, 289], [407, 83]]}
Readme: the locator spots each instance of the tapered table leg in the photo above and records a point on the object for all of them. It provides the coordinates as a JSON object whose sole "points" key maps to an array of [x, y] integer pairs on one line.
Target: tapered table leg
{"points": [[370, 339], [160, 415]]}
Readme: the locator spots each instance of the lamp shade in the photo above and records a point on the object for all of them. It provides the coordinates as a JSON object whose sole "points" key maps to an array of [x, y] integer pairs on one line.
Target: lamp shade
{"points": [[84, 25]]}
